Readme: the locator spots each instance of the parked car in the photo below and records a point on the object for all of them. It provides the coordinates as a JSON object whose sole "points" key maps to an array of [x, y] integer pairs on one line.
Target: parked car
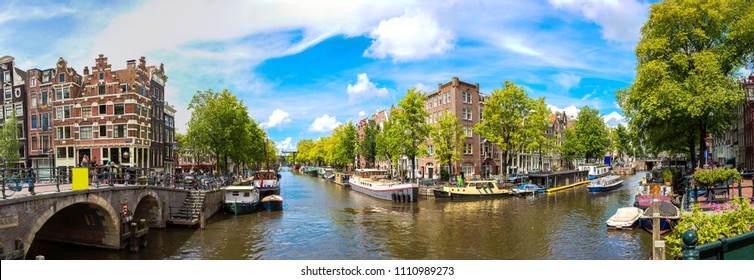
{"points": [[516, 178]]}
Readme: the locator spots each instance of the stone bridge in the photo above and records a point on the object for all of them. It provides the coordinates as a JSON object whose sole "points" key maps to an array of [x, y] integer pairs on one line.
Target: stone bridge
{"points": [[98, 217]]}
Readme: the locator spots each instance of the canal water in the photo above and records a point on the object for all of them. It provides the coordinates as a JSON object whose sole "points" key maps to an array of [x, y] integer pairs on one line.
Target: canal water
{"points": [[325, 221]]}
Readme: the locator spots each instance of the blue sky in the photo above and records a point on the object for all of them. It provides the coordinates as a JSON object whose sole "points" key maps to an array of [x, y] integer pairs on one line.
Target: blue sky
{"points": [[302, 67]]}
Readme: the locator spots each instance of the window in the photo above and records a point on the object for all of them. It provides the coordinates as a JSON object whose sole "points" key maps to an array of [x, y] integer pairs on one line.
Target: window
{"points": [[33, 100], [45, 77], [61, 152], [468, 131], [70, 152], [467, 114], [63, 132], [124, 88], [430, 150], [144, 111], [138, 109], [119, 131], [18, 93], [86, 112], [467, 148], [67, 93], [33, 81], [6, 76], [103, 109], [46, 122], [101, 90], [59, 94], [19, 110], [63, 112], [447, 97], [8, 111], [61, 78], [120, 109], [33, 121], [143, 90], [481, 113], [85, 133], [34, 144], [8, 93], [105, 153], [45, 97], [466, 97], [102, 131], [45, 143], [467, 168], [101, 75]]}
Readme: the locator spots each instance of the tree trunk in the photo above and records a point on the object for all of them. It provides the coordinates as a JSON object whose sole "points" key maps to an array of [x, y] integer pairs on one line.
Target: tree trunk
{"points": [[692, 154], [703, 144]]}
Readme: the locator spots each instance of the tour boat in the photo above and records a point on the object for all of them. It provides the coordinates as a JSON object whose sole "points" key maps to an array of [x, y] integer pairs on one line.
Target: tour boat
{"points": [[626, 218], [241, 199], [527, 188], [267, 181], [559, 180], [374, 182], [652, 191], [472, 189], [272, 202], [605, 183], [669, 216], [595, 171]]}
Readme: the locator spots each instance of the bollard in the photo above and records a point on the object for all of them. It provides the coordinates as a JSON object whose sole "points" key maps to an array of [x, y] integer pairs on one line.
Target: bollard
{"points": [[690, 238], [658, 244], [40, 258], [133, 240]]}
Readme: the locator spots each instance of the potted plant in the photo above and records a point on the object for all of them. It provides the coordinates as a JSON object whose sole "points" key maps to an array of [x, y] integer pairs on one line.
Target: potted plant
{"points": [[667, 176]]}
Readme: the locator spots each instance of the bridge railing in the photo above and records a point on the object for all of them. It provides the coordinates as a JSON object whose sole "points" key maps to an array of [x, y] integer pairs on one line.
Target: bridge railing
{"points": [[16, 180], [737, 247]]}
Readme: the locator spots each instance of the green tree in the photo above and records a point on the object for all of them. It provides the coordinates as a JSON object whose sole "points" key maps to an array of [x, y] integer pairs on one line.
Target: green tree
{"points": [[447, 139], [345, 144], [591, 132], [368, 144], [9, 145], [571, 149], [304, 147], [411, 120], [687, 55], [388, 141], [536, 125], [503, 121], [622, 141], [220, 125]]}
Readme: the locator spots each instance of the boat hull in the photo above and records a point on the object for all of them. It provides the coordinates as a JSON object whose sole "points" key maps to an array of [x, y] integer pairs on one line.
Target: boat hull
{"points": [[237, 208], [271, 203], [604, 188], [442, 194], [666, 225], [624, 227], [408, 194]]}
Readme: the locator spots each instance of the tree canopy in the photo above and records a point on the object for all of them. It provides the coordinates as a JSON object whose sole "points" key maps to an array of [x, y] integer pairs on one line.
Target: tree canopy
{"points": [[9, 145], [411, 121], [687, 57], [447, 137], [591, 131]]}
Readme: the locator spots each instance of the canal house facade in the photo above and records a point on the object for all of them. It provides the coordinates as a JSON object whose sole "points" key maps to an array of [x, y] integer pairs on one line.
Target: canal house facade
{"points": [[40, 118], [13, 85]]}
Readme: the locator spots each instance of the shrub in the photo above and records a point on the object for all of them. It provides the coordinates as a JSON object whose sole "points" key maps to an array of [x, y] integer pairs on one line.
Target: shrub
{"points": [[708, 177], [727, 220]]}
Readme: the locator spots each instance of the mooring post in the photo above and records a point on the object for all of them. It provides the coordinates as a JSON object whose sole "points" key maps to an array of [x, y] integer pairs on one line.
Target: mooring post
{"points": [[658, 244], [133, 241]]}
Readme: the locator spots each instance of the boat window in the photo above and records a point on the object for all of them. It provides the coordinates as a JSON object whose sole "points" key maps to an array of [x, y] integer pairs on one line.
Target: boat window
{"points": [[235, 193], [246, 194]]}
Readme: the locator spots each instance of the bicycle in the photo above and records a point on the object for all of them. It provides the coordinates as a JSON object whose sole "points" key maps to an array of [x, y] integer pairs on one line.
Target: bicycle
{"points": [[16, 184]]}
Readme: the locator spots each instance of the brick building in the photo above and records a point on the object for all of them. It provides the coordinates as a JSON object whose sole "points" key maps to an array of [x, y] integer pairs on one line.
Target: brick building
{"points": [[109, 118], [40, 118], [13, 83], [157, 118]]}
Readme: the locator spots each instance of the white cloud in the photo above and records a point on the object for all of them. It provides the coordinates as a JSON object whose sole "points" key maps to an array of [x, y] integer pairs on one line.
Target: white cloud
{"points": [[567, 81], [14, 12], [571, 111], [621, 20], [362, 113], [613, 119], [423, 88], [324, 123], [284, 145], [364, 89], [413, 36], [278, 117]]}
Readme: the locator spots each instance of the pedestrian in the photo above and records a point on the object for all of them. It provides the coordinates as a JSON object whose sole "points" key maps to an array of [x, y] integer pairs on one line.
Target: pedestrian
{"points": [[460, 180], [84, 161]]}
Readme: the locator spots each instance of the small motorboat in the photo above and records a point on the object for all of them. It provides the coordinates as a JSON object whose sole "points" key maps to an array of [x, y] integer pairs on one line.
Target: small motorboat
{"points": [[626, 218], [527, 188], [272, 202], [669, 215]]}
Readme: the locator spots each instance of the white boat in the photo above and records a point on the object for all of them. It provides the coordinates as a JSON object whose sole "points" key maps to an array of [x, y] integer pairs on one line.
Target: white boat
{"points": [[374, 182], [595, 171], [605, 183], [625, 218], [267, 181], [241, 199]]}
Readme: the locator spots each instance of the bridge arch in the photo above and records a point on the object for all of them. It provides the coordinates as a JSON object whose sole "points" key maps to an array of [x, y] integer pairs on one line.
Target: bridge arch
{"points": [[81, 219], [149, 206]]}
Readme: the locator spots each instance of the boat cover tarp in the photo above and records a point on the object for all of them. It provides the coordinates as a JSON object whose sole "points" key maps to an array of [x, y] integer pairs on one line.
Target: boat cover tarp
{"points": [[666, 210]]}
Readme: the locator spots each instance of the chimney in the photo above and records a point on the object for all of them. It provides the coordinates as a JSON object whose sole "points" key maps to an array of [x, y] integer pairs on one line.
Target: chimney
{"points": [[86, 70], [131, 64]]}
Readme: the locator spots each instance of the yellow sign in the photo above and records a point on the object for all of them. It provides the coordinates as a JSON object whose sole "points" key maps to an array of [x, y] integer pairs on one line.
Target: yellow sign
{"points": [[80, 178]]}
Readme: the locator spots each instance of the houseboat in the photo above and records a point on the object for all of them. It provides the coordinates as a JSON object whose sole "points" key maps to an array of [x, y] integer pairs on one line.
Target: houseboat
{"points": [[240, 199], [267, 181], [341, 177], [472, 189], [595, 171], [559, 180], [606, 183], [374, 182], [652, 191]]}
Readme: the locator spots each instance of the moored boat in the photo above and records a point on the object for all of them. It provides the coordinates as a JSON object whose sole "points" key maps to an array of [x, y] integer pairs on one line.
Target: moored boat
{"points": [[652, 191], [241, 199], [559, 180], [472, 189], [626, 218], [374, 182], [669, 215], [595, 171], [341, 177], [272, 202], [267, 181], [527, 188], [606, 183]]}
